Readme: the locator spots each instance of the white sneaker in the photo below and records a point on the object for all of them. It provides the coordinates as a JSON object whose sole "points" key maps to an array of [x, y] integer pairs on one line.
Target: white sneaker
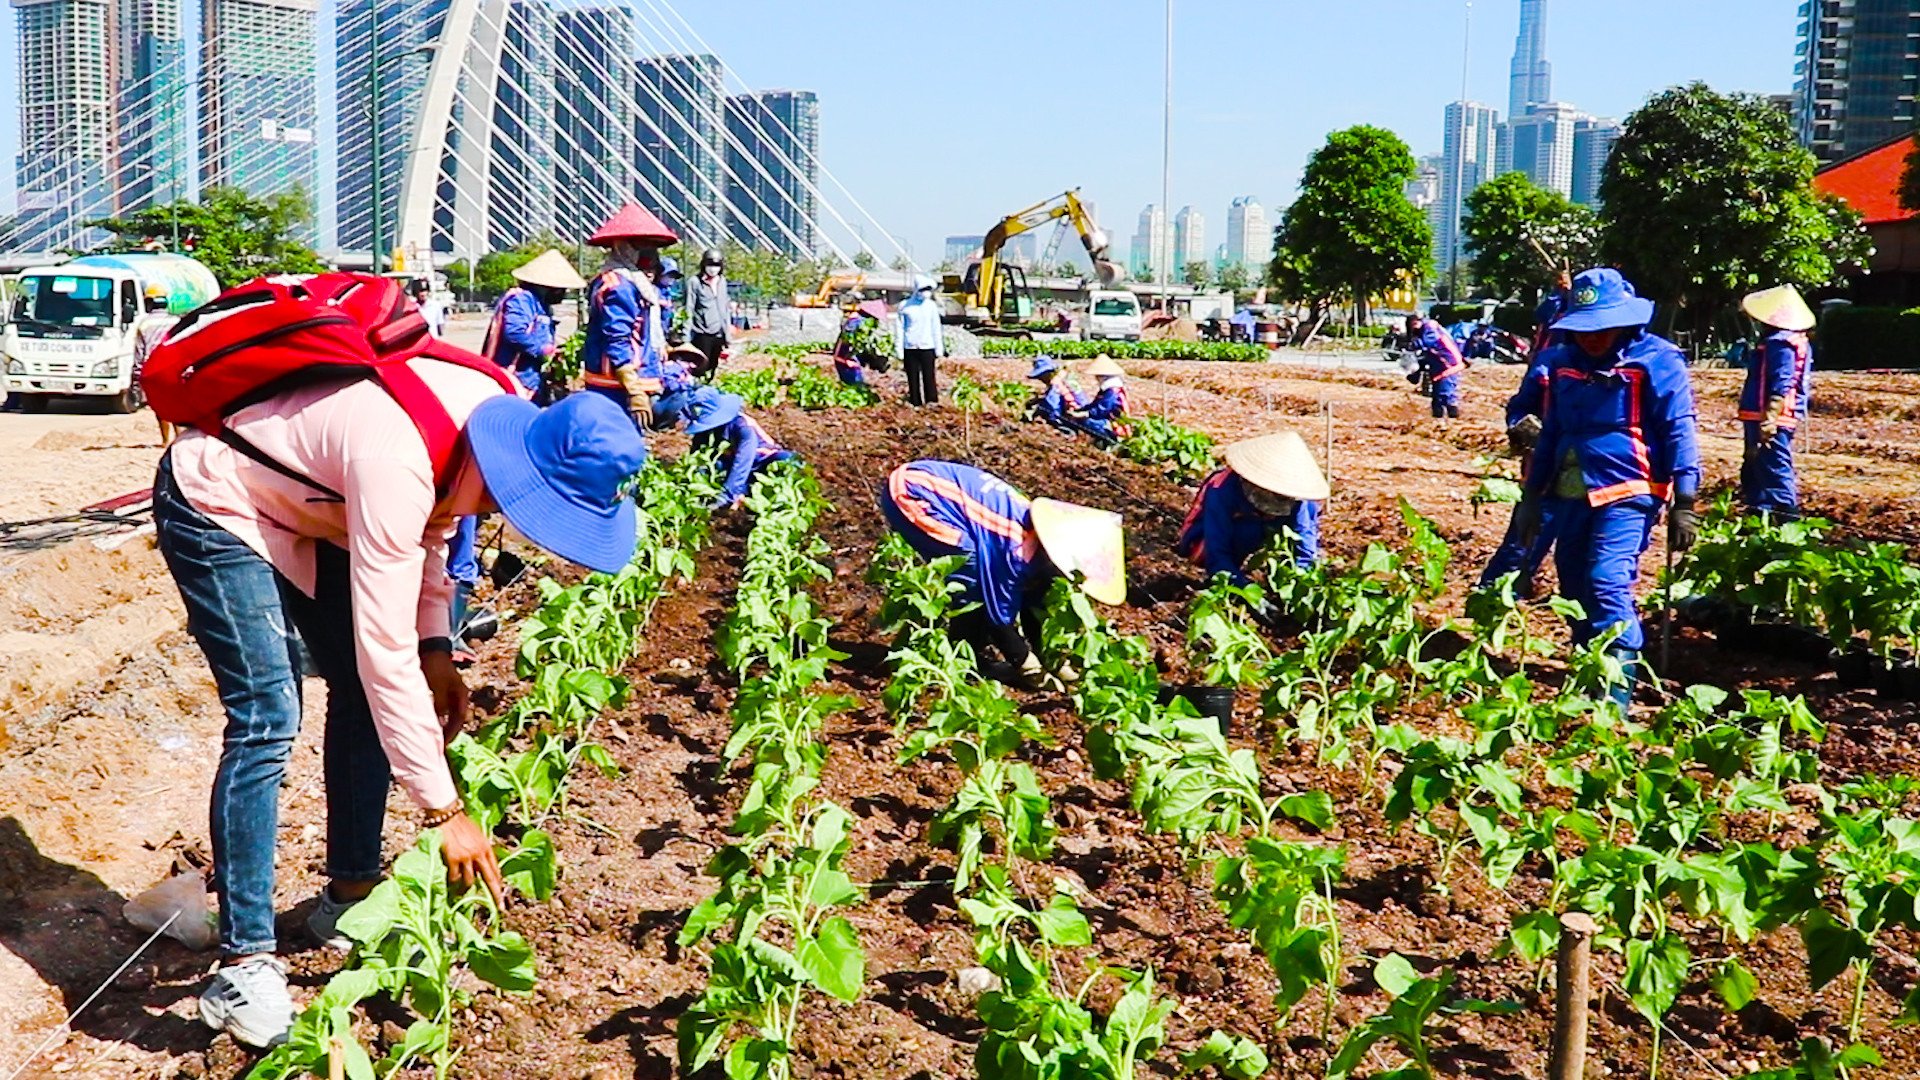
{"points": [[324, 922], [249, 1001]]}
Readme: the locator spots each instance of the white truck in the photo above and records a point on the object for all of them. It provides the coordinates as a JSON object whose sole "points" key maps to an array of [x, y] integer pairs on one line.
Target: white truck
{"points": [[70, 328]]}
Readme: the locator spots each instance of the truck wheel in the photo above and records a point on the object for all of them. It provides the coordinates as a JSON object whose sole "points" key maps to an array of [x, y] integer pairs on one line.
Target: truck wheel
{"points": [[129, 400], [33, 403]]}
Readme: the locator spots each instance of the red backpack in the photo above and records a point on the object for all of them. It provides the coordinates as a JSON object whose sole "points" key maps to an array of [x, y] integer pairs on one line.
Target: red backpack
{"points": [[273, 334]]}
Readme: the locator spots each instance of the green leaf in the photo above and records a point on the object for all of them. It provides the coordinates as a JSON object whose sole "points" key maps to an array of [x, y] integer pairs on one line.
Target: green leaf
{"points": [[1735, 984], [506, 961], [1656, 969], [1535, 935], [372, 918], [834, 960], [1831, 947], [1238, 1058], [424, 1038], [532, 867], [1395, 974], [1314, 808], [1062, 924]]}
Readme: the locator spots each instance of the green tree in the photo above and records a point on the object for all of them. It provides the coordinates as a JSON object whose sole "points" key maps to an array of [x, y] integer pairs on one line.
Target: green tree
{"points": [[1522, 234], [1198, 274], [1233, 278], [493, 272], [234, 234], [864, 260], [1708, 196], [1352, 233]]}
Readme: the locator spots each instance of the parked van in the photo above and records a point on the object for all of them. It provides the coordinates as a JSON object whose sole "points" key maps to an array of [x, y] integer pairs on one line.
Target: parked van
{"points": [[1112, 315]]}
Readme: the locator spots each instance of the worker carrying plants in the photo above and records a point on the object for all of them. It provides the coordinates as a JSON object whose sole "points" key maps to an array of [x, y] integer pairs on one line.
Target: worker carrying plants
{"points": [[1105, 417], [1440, 361], [1014, 549], [1618, 443], [1270, 488], [1057, 400], [147, 336], [855, 319], [921, 341], [1774, 399], [626, 327], [717, 419], [325, 508], [521, 336], [1517, 555], [707, 310]]}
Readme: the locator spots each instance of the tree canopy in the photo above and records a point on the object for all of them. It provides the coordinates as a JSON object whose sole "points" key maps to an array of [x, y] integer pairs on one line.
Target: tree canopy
{"points": [[1708, 196], [1352, 233], [236, 235], [1522, 234]]}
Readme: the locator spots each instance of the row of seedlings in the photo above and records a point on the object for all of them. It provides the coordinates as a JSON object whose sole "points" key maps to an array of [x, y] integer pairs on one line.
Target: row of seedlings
{"points": [[999, 825], [773, 930], [413, 936]]}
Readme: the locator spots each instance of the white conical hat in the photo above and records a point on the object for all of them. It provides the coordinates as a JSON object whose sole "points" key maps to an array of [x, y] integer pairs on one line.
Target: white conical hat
{"points": [[1087, 540], [1280, 463], [550, 269], [1103, 366], [1780, 306]]}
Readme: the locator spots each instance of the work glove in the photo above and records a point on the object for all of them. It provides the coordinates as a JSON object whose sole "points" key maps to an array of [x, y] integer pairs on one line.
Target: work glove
{"points": [[1526, 517], [1683, 525], [1031, 675], [1522, 436], [639, 400], [1770, 422]]}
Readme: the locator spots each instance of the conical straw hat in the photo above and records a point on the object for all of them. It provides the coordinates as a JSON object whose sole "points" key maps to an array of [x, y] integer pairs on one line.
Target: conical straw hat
{"points": [[1280, 463], [1104, 365], [1780, 306], [633, 222], [1083, 539], [550, 269]]}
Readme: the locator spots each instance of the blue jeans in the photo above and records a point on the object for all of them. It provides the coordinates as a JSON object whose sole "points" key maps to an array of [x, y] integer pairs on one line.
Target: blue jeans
{"points": [[243, 614]]}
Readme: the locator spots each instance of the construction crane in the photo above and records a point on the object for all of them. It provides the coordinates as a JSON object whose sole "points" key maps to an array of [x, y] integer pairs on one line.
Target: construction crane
{"points": [[993, 292]]}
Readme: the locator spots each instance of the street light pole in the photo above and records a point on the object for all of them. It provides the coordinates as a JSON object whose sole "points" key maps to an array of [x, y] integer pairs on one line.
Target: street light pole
{"points": [[1460, 168], [1166, 170], [373, 109]]}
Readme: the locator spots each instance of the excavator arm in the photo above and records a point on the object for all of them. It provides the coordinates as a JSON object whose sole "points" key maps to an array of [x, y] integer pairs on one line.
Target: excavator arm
{"points": [[989, 285]]}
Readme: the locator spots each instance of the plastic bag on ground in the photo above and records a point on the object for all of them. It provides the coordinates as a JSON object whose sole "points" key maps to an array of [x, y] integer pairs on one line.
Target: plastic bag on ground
{"points": [[196, 926]]}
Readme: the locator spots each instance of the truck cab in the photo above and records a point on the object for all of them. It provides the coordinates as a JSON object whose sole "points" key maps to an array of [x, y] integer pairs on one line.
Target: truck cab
{"points": [[1112, 315]]}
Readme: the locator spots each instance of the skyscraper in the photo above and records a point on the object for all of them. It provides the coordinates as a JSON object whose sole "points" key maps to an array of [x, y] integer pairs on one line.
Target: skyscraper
{"points": [[408, 29], [773, 170], [680, 133], [1249, 240], [521, 180], [1467, 160], [1859, 63], [1151, 247], [1189, 240], [68, 85], [1593, 139], [259, 100], [1530, 78], [593, 114], [151, 71], [1540, 144]]}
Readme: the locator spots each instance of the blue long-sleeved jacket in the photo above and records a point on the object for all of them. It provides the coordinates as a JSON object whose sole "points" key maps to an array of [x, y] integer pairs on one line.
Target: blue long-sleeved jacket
{"points": [[920, 325], [622, 330], [1223, 528], [1058, 400], [1107, 412], [1439, 354], [521, 337], [1530, 398], [1782, 368], [1628, 417], [747, 448], [945, 508]]}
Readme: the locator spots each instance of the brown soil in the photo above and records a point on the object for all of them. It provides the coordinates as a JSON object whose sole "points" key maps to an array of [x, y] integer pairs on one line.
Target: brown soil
{"points": [[85, 831]]}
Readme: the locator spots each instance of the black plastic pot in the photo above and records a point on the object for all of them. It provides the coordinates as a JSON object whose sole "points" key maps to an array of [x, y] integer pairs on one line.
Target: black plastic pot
{"points": [[1790, 642], [1892, 680], [507, 568], [1853, 666], [1214, 701], [482, 624]]}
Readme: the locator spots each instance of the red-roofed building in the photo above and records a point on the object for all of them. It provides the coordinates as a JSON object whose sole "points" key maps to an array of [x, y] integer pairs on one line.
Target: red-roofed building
{"points": [[1870, 182]]}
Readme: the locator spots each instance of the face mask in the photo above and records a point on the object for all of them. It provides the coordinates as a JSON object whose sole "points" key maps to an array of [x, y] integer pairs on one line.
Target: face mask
{"points": [[1268, 504]]}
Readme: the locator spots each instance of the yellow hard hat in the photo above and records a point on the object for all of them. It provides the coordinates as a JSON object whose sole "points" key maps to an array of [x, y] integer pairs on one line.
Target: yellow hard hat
{"points": [[157, 292]]}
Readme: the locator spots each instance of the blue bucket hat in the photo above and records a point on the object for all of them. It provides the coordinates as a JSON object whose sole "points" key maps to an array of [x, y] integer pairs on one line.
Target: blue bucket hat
{"points": [[669, 267], [1042, 367], [557, 473], [1603, 300], [709, 410]]}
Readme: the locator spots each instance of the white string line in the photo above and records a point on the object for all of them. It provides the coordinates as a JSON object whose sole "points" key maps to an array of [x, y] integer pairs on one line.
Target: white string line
{"points": [[728, 70], [66, 1024]]}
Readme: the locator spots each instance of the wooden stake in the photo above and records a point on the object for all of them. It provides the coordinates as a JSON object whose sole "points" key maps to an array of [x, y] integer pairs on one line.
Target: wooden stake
{"points": [[1571, 991], [336, 1061], [1328, 405]]}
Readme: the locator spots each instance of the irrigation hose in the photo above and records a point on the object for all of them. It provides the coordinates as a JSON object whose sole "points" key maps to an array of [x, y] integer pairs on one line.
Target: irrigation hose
{"points": [[67, 1024]]}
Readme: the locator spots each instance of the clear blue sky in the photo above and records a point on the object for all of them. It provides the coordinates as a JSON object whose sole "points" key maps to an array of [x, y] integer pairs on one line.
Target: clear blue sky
{"points": [[944, 119]]}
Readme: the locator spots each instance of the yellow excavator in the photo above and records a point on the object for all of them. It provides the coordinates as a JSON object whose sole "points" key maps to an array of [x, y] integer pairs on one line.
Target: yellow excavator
{"points": [[993, 292]]}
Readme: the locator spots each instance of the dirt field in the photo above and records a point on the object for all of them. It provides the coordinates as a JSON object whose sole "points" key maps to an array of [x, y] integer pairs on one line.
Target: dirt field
{"points": [[104, 787]]}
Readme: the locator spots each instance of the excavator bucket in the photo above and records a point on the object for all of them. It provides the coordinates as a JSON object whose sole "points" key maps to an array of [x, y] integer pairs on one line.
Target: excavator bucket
{"points": [[1108, 271]]}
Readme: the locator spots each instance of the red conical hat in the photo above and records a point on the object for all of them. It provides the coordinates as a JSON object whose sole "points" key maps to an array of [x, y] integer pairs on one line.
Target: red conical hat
{"points": [[633, 222]]}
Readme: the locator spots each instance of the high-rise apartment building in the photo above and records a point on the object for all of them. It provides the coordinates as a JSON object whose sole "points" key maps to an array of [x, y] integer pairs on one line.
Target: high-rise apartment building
{"points": [[68, 91], [1189, 240], [1468, 159], [1424, 189], [1540, 144], [1249, 239], [1152, 246], [521, 180], [407, 32], [1530, 77], [959, 250], [1858, 68], [1593, 139], [773, 170], [594, 112], [259, 102], [680, 133], [151, 70]]}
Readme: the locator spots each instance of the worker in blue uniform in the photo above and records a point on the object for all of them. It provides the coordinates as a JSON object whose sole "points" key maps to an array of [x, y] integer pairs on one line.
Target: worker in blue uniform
{"points": [[1517, 555], [1105, 417], [1270, 488], [1056, 399], [1014, 547], [1440, 361], [521, 336], [719, 420], [1618, 444], [1773, 402], [626, 332]]}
